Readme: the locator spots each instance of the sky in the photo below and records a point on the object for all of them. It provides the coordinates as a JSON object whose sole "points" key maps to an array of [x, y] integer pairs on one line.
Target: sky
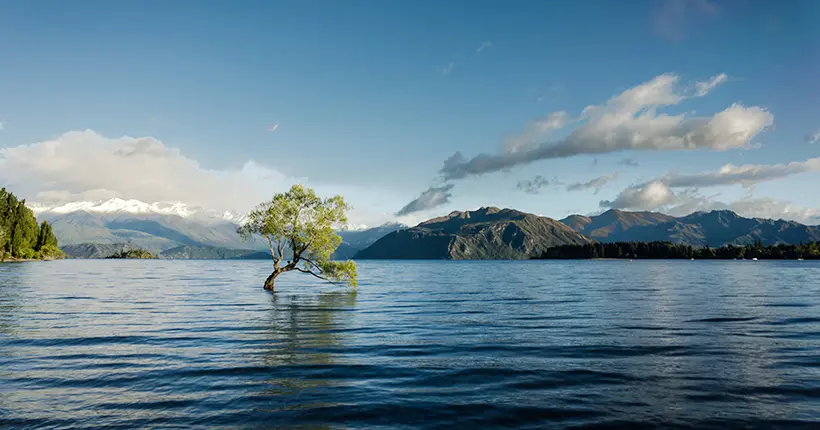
{"points": [[412, 110]]}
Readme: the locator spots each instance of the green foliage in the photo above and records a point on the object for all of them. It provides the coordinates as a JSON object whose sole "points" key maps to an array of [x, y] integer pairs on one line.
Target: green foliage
{"points": [[340, 271], [50, 251], [668, 250], [21, 236], [306, 224], [2, 240], [46, 237], [133, 253]]}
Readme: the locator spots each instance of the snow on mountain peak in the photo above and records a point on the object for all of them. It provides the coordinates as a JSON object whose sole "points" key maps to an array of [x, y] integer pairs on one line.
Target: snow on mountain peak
{"points": [[131, 206]]}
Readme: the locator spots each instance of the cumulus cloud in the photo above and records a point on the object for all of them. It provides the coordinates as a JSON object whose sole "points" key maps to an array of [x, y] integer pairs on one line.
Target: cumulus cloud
{"points": [[629, 121], [649, 196], [431, 198], [811, 138], [84, 165], [674, 19], [629, 162], [593, 184], [534, 185]]}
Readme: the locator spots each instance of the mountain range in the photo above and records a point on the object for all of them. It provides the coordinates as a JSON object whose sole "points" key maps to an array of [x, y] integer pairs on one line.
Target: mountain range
{"points": [[175, 230], [714, 229], [170, 230], [486, 233], [492, 233]]}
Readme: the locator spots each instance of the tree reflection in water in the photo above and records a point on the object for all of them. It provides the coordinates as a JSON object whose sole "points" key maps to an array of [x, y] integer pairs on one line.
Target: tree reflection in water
{"points": [[304, 334]]}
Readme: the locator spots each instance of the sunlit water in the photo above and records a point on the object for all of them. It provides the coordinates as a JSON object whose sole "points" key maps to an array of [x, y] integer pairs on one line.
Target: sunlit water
{"points": [[433, 344]]}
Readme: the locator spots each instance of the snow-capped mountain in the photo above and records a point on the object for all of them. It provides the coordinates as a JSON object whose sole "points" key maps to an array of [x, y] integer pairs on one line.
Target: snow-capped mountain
{"points": [[131, 206], [169, 226]]}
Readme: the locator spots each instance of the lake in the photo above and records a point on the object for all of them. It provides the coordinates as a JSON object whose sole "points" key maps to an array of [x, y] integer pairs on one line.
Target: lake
{"points": [[421, 344]]}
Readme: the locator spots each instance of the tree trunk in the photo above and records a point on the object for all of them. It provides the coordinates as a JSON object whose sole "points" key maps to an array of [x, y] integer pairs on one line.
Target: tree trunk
{"points": [[269, 281]]}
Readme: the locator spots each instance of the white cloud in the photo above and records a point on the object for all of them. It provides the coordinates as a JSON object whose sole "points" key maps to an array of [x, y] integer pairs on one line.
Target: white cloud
{"points": [[750, 207], [2, 125], [87, 166], [483, 46], [650, 196], [703, 88], [630, 121], [658, 194], [593, 184], [535, 131], [433, 197], [745, 175], [811, 138]]}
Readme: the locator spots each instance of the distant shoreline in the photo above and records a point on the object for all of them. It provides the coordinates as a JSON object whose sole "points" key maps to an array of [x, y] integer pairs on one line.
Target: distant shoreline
{"points": [[26, 260]]}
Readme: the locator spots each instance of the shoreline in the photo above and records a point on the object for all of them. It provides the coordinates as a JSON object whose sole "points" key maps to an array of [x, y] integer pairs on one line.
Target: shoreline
{"points": [[26, 260]]}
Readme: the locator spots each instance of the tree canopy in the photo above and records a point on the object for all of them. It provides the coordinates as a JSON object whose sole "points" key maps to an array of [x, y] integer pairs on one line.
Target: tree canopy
{"points": [[305, 224], [133, 253], [668, 250], [20, 236]]}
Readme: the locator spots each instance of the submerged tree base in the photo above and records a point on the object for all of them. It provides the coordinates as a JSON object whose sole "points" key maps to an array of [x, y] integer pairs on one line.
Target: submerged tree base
{"points": [[269, 282]]}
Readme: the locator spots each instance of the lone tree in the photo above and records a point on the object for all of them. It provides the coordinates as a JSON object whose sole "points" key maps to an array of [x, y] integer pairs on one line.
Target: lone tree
{"points": [[306, 224]]}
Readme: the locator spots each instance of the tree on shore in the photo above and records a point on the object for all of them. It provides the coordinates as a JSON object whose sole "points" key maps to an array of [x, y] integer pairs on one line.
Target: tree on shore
{"points": [[668, 250], [304, 224], [23, 238]]}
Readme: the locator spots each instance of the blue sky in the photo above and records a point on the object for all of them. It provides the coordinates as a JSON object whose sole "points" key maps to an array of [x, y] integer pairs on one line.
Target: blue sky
{"points": [[371, 98]]}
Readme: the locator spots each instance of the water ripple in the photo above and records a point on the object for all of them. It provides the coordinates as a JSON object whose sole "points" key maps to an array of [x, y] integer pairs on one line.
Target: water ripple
{"points": [[422, 344]]}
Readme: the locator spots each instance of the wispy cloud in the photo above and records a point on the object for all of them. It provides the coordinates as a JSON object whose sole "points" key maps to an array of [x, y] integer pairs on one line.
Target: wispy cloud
{"points": [[657, 196], [534, 185], [2, 125], [551, 93], [629, 162], [811, 138], [593, 184], [534, 132], [432, 198], [703, 88], [748, 206], [483, 46], [659, 192], [746, 175], [629, 121], [447, 68], [273, 127], [675, 19]]}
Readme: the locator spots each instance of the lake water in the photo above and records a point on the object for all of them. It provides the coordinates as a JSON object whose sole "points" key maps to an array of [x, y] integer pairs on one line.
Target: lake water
{"points": [[421, 344]]}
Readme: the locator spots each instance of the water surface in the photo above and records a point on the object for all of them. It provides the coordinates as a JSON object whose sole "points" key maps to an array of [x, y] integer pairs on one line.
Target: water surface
{"points": [[421, 344]]}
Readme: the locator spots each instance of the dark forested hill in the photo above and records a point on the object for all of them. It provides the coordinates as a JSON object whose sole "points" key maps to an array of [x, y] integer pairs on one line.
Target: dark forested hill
{"points": [[486, 233], [715, 228]]}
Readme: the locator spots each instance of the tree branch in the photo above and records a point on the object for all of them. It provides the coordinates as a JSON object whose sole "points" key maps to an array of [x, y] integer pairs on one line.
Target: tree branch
{"points": [[313, 263], [279, 245], [318, 276], [272, 254]]}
